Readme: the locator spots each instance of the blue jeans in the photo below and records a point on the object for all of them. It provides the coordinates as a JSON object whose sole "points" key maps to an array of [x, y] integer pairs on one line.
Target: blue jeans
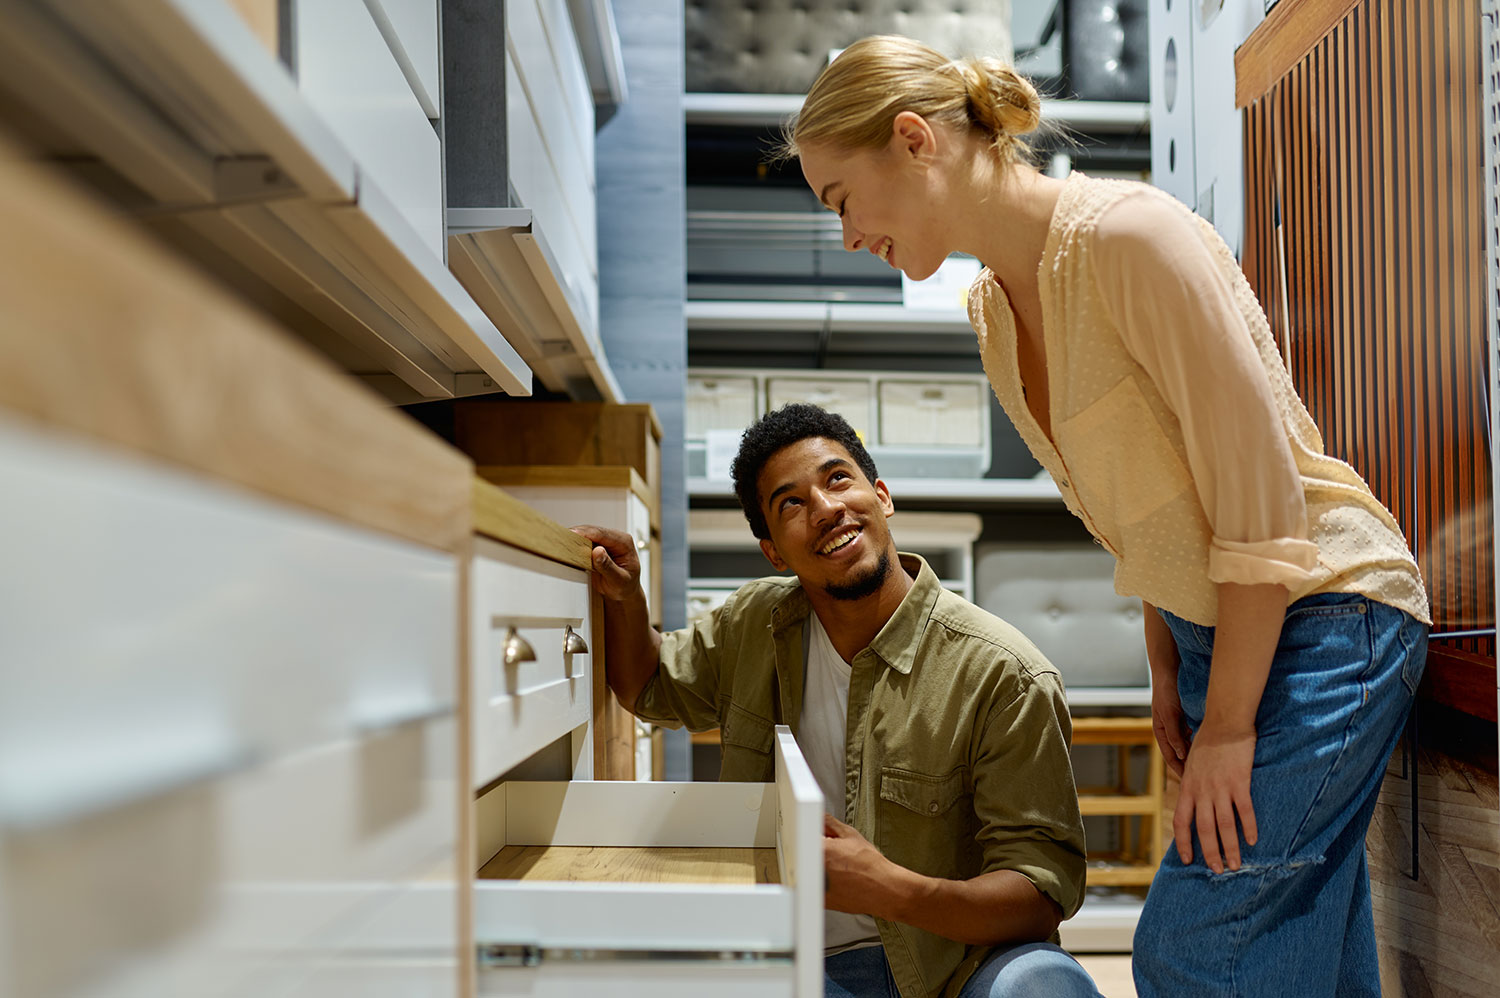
{"points": [[1015, 972], [1295, 918]]}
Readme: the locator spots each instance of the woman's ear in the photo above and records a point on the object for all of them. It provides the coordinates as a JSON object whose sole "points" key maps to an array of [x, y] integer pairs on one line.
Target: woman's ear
{"points": [[912, 136]]}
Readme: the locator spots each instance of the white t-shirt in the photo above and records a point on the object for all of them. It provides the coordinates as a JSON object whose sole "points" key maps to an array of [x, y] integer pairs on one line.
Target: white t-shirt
{"points": [[821, 737]]}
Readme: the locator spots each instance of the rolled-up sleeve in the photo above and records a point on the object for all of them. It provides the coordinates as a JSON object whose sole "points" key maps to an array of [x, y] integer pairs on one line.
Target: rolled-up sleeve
{"points": [[1024, 794], [684, 692], [1176, 313]]}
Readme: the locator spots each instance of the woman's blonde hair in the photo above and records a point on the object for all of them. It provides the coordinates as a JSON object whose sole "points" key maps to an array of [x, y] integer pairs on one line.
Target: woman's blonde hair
{"points": [[854, 101]]}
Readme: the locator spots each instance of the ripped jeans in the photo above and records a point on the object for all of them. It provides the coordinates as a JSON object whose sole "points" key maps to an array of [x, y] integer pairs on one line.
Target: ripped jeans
{"points": [[1295, 919]]}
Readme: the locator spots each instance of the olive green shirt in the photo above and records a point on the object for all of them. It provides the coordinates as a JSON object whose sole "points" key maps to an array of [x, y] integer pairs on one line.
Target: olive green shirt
{"points": [[956, 742]]}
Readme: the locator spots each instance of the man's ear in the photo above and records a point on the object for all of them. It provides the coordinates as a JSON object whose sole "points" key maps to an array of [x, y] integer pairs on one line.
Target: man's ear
{"points": [[886, 502], [912, 136], [768, 549]]}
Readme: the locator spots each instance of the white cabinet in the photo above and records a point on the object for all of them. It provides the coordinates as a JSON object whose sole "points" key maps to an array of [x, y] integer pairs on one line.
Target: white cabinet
{"points": [[630, 883]]}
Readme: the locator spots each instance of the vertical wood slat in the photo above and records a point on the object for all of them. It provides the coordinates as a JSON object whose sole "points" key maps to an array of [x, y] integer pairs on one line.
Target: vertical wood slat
{"points": [[1370, 144]]}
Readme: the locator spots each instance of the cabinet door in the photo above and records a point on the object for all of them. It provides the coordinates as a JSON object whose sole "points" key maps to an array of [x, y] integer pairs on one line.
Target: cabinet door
{"points": [[529, 631]]}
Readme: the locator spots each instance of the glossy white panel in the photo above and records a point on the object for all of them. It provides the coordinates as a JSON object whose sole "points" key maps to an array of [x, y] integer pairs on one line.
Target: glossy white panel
{"points": [[410, 28], [348, 74]]}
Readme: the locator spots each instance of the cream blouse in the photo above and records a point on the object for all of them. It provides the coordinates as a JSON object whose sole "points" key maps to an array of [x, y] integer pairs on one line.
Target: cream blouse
{"points": [[1177, 434]]}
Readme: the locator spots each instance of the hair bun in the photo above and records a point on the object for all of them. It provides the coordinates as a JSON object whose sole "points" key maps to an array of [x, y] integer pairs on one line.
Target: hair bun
{"points": [[1001, 100]]}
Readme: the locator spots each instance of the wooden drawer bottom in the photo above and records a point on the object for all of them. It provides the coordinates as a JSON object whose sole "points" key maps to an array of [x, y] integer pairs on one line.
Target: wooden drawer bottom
{"points": [[640, 865]]}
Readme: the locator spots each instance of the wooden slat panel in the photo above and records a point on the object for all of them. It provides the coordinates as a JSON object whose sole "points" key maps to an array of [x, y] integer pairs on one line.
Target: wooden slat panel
{"points": [[1370, 141], [1280, 42]]}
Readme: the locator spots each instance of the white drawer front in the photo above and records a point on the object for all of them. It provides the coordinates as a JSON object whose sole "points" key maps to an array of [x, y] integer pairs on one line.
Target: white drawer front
{"points": [[537, 606], [348, 73], [157, 629], [237, 886], [639, 980]]}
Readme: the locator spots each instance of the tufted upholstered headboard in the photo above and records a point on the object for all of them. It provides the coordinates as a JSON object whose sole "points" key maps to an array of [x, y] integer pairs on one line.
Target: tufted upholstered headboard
{"points": [[780, 46], [1062, 597]]}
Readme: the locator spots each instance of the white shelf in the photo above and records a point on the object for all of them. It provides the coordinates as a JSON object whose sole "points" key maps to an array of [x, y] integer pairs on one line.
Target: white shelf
{"points": [[502, 258], [181, 100], [983, 491], [770, 110], [752, 316]]}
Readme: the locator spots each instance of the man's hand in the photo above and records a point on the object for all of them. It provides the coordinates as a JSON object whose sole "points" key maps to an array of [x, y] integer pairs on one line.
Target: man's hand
{"points": [[856, 875], [1216, 785], [616, 565]]}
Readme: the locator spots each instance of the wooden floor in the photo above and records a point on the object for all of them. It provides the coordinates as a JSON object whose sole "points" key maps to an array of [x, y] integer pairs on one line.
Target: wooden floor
{"points": [[1111, 973], [1438, 935]]}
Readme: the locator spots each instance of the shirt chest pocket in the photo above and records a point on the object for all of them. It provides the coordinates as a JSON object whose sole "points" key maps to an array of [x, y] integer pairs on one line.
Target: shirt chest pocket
{"points": [[926, 823], [1122, 464]]}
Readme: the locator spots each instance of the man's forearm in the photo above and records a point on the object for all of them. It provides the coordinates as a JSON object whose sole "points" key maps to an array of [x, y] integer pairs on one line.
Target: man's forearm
{"points": [[997, 907], [633, 647]]}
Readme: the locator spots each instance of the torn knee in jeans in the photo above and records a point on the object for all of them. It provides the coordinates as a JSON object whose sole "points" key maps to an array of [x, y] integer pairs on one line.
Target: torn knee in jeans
{"points": [[1271, 871]]}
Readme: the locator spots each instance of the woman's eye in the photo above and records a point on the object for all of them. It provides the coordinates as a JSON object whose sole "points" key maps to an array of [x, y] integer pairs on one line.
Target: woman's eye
{"points": [[842, 202]]}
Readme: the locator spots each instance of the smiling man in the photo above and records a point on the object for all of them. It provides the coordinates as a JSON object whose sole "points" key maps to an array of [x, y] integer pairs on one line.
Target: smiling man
{"points": [[953, 846]]}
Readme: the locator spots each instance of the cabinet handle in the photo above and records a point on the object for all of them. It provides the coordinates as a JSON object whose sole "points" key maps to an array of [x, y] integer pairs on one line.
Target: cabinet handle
{"points": [[573, 643], [517, 649]]}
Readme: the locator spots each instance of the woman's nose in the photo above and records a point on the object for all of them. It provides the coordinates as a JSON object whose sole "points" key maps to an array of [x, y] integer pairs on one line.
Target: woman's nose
{"points": [[853, 238]]}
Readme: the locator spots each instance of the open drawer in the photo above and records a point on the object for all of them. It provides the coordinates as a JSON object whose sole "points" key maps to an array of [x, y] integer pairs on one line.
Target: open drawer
{"points": [[663, 889]]}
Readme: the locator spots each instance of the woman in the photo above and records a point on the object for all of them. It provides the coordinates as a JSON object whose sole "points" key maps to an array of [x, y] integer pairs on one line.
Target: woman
{"points": [[1286, 621]]}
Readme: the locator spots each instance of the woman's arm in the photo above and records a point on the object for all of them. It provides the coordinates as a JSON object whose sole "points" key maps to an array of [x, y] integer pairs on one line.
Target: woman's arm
{"points": [[1166, 708], [1216, 775]]}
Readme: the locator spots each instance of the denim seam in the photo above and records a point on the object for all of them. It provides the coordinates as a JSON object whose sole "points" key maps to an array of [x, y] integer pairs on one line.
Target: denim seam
{"points": [[1344, 742]]}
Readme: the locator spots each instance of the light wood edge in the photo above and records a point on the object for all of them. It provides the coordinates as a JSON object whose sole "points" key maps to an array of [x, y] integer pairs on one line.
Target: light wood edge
{"points": [[1290, 31], [609, 476], [110, 336], [503, 517]]}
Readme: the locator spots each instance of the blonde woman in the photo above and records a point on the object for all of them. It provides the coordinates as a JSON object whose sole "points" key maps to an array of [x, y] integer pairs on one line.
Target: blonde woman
{"points": [[1286, 621]]}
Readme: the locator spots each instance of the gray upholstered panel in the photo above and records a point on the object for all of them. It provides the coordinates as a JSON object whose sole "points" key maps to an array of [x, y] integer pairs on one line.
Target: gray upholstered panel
{"points": [[1062, 597], [780, 46]]}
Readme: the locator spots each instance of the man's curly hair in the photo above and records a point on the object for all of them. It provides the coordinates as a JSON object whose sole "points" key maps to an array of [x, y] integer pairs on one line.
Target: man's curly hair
{"points": [[781, 428]]}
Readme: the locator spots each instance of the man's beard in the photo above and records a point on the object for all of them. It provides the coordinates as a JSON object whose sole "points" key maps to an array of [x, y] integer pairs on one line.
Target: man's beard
{"points": [[864, 585]]}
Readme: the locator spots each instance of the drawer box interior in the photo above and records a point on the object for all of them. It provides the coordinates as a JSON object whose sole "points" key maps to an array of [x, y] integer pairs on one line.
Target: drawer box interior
{"points": [[582, 871]]}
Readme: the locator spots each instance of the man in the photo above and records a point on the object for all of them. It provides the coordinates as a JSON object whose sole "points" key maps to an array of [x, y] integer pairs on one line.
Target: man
{"points": [[939, 735]]}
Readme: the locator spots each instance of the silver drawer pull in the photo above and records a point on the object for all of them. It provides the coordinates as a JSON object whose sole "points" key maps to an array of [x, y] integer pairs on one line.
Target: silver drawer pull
{"points": [[517, 649], [573, 643], [641, 545]]}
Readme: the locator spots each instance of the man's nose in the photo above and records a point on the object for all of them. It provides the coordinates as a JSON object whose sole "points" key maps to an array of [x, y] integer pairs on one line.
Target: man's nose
{"points": [[826, 506]]}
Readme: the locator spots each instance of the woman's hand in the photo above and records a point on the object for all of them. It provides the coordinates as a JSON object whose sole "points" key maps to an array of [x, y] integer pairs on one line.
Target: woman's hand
{"points": [[1216, 786], [1171, 731]]}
